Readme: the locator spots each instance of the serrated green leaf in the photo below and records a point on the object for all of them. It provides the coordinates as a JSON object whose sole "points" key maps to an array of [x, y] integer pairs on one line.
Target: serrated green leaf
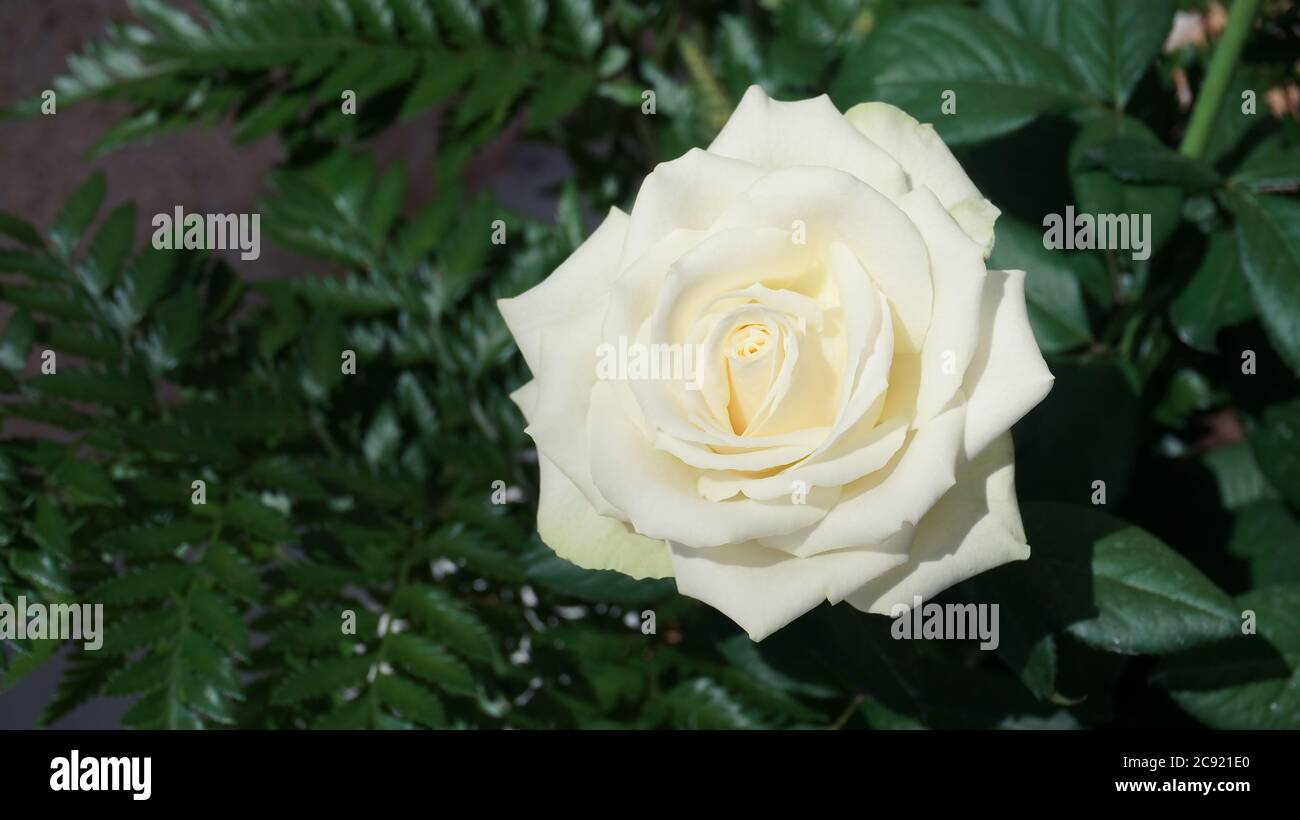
{"points": [[77, 214], [410, 700], [149, 583], [430, 662], [140, 629], [86, 484], [16, 344], [217, 618], [51, 530], [452, 622], [230, 570], [323, 678], [109, 249]]}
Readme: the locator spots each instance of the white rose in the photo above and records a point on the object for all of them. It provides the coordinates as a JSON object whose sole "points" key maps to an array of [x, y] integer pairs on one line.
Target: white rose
{"points": [[875, 365]]}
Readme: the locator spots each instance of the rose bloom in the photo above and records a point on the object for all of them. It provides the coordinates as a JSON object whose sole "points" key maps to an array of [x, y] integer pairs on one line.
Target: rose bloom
{"points": [[846, 435]]}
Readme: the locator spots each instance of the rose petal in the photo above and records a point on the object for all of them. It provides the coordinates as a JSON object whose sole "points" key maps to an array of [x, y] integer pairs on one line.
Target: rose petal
{"points": [[975, 527], [577, 533], [568, 355], [885, 502], [825, 205], [1007, 376], [583, 279], [957, 270], [928, 163], [658, 492], [685, 193], [762, 589], [774, 134]]}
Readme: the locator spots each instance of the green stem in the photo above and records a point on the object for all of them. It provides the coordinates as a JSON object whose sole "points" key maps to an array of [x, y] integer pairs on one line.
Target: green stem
{"points": [[1240, 19]]}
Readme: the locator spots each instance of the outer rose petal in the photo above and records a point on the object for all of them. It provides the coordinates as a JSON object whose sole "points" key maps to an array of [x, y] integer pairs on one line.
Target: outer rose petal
{"points": [[583, 279], [772, 135], [975, 527], [928, 163], [688, 192], [763, 589], [1007, 377], [568, 524]]}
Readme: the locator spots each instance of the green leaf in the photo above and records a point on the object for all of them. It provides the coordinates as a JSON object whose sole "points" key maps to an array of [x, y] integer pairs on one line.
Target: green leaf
{"points": [[595, 585], [230, 570], [1251, 681], [217, 618], [139, 630], [256, 518], [1001, 82], [16, 345], [1238, 475], [452, 622], [1268, 239], [744, 655], [35, 265], [50, 529], [109, 250], [149, 583], [562, 90], [461, 18], [324, 678], [521, 20], [492, 92], [1268, 537], [1276, 442], [1098, 192], [385, 204], [86, 484], [1214, 298], [95, 387], [429, 661], [1118, 588], [411, 701], [1145, 162], [145, 675], [577, 27], [704, 704], [19, 229], [439, 78], [160, 710], [473, 550], [77, 214], [1052, 284], [1110, 43], [41, 568], [1271, 167]]}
